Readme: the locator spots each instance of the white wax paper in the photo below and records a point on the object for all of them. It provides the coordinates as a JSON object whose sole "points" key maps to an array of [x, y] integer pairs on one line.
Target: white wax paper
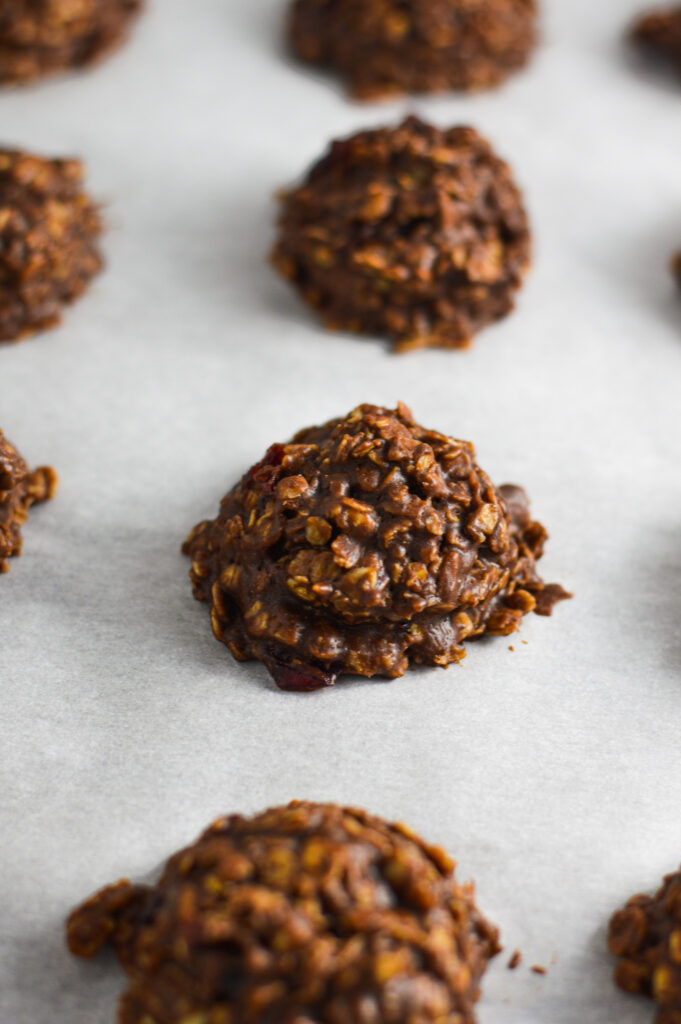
{"points": [[551, 772]]}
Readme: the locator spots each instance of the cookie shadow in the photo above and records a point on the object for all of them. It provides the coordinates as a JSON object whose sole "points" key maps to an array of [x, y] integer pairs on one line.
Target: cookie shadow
{"points": [[656, 73]]}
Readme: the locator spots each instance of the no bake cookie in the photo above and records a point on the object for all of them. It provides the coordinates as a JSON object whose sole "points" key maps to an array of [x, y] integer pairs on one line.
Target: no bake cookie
{"points": [[19, 489], [49, 235], [414, 233], [646, 936], [304, 913], [44, 37], [365, 546], [387, 47]]}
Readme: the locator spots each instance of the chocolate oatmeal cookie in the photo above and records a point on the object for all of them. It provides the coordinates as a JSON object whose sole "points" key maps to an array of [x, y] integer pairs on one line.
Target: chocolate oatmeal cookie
{"points": [[43, 37], [365, 546], [388, 47], [305, 913], [19, 489], [646, 935], [413, 233], [659, 33], [49, 234]]}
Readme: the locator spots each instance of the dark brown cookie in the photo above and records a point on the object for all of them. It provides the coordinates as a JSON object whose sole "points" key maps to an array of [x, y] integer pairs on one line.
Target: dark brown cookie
{"points": [[659, 32], [387, 47], [646, 935], [49, 235], [365, 546], [19, 489], [43, 37], [306, 913], [413, 233]]}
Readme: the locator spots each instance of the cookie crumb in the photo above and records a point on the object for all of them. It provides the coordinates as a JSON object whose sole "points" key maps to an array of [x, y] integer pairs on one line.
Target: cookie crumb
{"points": [[515, 961]]}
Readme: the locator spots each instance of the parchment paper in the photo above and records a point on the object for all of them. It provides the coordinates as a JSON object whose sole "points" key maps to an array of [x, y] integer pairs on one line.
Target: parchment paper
{"points": [[551, 772]]}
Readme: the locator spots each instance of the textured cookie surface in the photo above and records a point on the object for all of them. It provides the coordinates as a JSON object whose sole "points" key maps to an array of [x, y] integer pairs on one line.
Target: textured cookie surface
{"points": [[646, 935], [44, 37], [49, 234], [19, 489], [364, 546], [387, 47], [306, 914], [412, 233]]}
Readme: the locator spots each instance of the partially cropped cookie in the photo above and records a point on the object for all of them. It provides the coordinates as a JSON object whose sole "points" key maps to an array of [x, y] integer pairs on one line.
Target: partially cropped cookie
{"points": [[366, 546], [49, 241], [388, 47], [306, 913], [413, 233], [44, 37], [659, 33], [646, 935], [19, 489]]}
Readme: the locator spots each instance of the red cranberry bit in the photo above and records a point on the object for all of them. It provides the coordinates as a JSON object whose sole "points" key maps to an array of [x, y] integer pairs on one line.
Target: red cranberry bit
{"points": [[261, 473], [299, 680]]}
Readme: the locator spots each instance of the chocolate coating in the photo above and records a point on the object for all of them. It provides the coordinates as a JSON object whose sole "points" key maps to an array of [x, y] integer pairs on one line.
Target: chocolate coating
{"points": [[19, 489], [413, 233], [44, 37], [387, 47], [49, 234], [659, 33], [306, 913], [646, 935], [365, 546]]}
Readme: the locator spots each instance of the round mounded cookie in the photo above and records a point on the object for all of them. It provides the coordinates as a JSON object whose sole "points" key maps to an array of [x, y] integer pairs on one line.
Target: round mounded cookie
{"points": [[365, 546], [658, 32], [646, 935], [49, 236], [414, 233], [383, 48], [306, 913], [19, 489], [45, 37]]}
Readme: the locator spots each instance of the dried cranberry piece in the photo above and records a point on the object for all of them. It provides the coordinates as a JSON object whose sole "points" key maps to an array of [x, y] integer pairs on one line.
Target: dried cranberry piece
{"points": [[261, 473], [298, 679]]}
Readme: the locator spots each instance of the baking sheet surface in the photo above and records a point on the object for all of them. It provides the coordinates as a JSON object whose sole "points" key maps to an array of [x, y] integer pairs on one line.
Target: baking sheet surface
{"points": [[551, 771]]}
